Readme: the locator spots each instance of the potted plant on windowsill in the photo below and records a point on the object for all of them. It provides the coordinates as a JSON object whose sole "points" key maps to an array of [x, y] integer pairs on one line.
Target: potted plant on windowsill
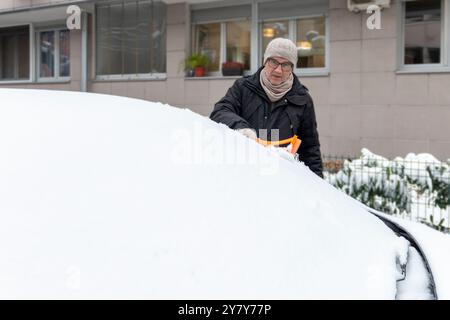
{"points": [[195, 65], [232, 68]]}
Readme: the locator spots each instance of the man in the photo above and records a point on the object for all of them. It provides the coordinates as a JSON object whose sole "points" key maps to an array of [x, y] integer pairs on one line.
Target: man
{"points": [[273, 98]]}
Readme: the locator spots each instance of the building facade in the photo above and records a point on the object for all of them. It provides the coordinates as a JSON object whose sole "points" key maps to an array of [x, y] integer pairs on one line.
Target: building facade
{"points": [[384, 89]]}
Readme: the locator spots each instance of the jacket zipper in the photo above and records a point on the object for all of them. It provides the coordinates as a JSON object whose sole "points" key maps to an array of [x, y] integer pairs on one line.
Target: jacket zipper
{"points": [[267, 114]]}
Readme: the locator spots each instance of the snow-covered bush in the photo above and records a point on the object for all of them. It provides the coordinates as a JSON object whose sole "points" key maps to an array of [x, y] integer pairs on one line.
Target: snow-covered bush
{"points": [[430, 176], [392, 186]]}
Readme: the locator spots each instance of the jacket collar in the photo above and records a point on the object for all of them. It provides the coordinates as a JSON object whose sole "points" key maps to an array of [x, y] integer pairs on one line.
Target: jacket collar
{"points": [[296, 95]]}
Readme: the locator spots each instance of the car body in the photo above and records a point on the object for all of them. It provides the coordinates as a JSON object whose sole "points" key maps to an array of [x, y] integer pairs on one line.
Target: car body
{"points": [[117, 198]]}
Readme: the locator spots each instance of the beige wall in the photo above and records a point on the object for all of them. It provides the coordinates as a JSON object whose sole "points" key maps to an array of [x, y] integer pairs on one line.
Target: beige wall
{"points": [[19, 4], [363, 102], [369, 104]]}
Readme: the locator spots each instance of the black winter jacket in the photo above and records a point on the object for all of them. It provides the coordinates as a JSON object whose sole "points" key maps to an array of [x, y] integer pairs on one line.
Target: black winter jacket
{"points": [[246, 105]]}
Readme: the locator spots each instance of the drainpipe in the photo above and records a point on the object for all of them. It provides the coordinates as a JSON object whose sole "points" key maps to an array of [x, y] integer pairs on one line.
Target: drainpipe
{"points": [[84, 48], [254, 38]]}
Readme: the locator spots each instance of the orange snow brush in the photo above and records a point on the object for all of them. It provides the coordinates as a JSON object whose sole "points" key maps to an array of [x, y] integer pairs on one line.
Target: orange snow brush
{"points": [[294, 141]]}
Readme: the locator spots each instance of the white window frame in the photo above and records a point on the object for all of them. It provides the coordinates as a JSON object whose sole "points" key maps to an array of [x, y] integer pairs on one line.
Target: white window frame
{"points": [[444, 65], [292, 35], [120, 77], [56, 72], [223, 42], [31, 55]]}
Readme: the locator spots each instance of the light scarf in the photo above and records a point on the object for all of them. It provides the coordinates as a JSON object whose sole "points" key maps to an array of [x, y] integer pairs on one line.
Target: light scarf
{"points": [[275, 92]]}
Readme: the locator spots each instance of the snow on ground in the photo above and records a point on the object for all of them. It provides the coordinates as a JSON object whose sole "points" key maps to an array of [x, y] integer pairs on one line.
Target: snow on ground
{"points": [[110, 197]]}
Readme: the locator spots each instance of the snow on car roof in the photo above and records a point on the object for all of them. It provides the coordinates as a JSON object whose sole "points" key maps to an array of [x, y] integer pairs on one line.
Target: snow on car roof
{"points": [[111, 197]]}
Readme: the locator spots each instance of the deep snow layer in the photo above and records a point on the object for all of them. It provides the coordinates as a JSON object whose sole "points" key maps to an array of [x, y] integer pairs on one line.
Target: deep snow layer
{"points": [[110, 197]]}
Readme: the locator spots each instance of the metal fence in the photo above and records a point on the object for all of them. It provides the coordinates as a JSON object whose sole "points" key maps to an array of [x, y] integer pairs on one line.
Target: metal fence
{"points": [[415, 189]]}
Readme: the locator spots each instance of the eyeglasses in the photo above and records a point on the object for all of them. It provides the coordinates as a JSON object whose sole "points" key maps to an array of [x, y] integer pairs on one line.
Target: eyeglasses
{"points": [[285, 66]]}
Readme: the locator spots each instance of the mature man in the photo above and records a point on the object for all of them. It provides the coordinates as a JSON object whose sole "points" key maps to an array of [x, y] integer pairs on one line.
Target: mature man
{"points": [[273, 98]]}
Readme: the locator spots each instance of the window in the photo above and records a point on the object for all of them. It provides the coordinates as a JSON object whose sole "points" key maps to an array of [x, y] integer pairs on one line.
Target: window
{"points": [[64, 53], [47, 54], [272, 30], [207, 42], [238, 42], [424, 37], [311, 43], [303, 22], [308, 33], [15, 53], [131, 38], [222, 33], [422, 33], [235, 37], [53, 52], [226, 32]]}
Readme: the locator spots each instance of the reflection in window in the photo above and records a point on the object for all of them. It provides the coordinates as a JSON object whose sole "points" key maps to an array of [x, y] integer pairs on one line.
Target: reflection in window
{"points": [[131, 38], [54, 53], [272, 30], [47, 54], [422, 32], [311, 43], [238, 42], [8, 57], [15, 53], [64, 53], [207, 42]]}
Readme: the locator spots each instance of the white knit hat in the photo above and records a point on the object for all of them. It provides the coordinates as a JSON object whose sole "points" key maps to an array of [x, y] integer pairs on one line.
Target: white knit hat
{"points": [[281, 47]]}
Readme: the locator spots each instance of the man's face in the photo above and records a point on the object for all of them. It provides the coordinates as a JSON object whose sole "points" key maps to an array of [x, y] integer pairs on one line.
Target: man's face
{"points": [[278, 70]]}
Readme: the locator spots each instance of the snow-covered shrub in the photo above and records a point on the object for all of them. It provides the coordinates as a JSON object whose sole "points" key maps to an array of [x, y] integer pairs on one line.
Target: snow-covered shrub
{"points": [[392, 185], [430, 176], [374, 181]]}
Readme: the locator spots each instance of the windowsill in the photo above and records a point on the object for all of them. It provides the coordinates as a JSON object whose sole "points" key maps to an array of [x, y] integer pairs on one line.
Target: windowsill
{"points": [[53, 81], [424, 70], [315, 72], [214, 78], [324, 73], [39, 81], [113, 78], [15, 82]]}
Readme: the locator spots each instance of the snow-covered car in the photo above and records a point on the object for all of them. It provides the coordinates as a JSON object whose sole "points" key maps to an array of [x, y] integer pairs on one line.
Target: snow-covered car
{"points": [[112, 197]]}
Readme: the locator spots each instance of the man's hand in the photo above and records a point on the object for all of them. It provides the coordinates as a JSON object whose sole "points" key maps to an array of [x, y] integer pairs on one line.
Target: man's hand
{"points": [[249, 133]]}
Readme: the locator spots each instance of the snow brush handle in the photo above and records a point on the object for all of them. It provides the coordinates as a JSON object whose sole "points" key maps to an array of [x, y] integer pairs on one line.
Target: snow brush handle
{"points": [[294, 141]]}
